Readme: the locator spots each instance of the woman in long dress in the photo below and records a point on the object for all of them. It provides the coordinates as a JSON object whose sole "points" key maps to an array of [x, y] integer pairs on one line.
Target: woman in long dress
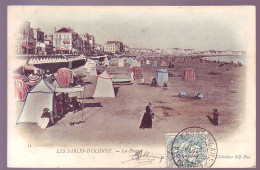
{"points": [[147, 117]]}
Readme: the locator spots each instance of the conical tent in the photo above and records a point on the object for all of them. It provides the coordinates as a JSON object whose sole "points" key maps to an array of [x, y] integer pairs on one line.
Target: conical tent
{"points": [[104, 86], [41, 96], [55, 84], [163, 64], [135, 63], [154, 64], [162, 76]]}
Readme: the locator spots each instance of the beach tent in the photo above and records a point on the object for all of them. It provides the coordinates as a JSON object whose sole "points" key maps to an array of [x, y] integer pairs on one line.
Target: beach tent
{"points": [[93, 71], [130, 61], [162, 76], [89, 64], [21, 89], [147, 62], [106, 62], [154, 64], [55, 83], [121, 62], [104, 86], [189, 74], [64, 77], [163, 64], [135, 63], [41, 96], [137, 72], [20, 77]]}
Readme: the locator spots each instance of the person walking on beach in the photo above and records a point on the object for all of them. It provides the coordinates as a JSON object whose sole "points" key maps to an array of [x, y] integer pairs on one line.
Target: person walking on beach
{"points": [[154, 82], [165, 85], [147, 117], [215, 116]]}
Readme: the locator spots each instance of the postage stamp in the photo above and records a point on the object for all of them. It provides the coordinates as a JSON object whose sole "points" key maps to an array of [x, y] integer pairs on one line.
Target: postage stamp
{"points": [[193, 147]]}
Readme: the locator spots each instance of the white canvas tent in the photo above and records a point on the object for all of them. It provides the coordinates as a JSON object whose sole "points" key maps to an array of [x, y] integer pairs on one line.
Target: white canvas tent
{"points": [[121, 62], [93, 71], [41, 96], [89, 64], [55, 83], [106, 61], [104, 86], [135, 63], [147, 62]]}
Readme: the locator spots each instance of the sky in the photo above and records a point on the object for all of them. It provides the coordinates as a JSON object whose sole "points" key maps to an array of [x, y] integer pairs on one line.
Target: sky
{"points": [[199, 28]]}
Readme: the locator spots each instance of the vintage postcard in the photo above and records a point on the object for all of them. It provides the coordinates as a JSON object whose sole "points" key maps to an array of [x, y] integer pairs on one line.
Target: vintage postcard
{"points": [[131, 86]]}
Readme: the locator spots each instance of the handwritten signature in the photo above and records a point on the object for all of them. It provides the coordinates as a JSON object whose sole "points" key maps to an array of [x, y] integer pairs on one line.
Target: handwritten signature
{"points": [[144, 158]]}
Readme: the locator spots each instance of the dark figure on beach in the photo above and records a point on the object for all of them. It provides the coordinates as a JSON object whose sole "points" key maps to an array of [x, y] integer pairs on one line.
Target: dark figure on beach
{"points": [[215, 117], [59, 107], [44, 76], [147, 117], [52, 78], [165, 85], [154, 82], [171, 65], [75, 104], [47, 114]]}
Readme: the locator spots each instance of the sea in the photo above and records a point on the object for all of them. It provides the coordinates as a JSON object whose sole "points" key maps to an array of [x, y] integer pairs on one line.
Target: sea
{"points": [[242, 59]]}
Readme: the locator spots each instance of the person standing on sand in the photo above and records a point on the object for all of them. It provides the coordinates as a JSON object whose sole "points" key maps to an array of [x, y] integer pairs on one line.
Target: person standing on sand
{"points": [[132, 76], [147, 117], [215, 117]]}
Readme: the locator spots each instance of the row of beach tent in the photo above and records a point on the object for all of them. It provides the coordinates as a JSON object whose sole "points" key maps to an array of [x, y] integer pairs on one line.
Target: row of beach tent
{"points": [[42, 95]]}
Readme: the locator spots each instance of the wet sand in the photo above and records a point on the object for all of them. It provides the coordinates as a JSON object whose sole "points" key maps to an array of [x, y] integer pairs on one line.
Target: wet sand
{"points": [[117, 122]]}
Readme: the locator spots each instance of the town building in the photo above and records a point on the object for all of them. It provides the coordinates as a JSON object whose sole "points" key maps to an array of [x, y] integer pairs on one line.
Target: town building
{"points": [[67, 41], [26, 42], [115, 47]]}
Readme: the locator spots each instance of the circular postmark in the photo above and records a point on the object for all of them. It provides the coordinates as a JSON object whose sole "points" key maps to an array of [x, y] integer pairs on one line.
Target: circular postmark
{"points": [[194, 147]]}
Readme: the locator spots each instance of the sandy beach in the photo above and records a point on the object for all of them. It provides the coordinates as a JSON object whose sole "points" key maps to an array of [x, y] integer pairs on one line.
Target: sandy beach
{"points": [[117, 121]]}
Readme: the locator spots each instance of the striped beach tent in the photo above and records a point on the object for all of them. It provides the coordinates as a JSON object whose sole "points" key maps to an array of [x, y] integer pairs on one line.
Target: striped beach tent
{"points": [[64, 77], [137, 72], [33, 79], [20, 77], [189, 74], [21, 89]]}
